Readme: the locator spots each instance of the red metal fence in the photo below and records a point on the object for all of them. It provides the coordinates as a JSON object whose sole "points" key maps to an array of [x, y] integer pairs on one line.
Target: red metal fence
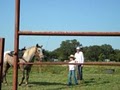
{"points": [[70, 33], [18, 33], [1, 58], [66, 63]]}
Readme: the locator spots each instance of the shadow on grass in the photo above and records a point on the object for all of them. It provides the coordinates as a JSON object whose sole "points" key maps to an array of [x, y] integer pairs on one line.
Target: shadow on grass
{"points": [[47, 83], [59, 87], [93, 81], [89, 82]]}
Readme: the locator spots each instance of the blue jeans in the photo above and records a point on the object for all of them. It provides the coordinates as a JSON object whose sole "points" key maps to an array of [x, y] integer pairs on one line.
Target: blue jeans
{"points": [[80, 73], [72, 73]]}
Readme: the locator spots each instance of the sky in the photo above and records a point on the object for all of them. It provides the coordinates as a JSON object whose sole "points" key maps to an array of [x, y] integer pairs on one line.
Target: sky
{"points": [[61, 15]]}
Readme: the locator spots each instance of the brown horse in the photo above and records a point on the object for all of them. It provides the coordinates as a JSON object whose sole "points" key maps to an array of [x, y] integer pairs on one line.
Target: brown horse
{"points": [[9, 60], [28, 56]]}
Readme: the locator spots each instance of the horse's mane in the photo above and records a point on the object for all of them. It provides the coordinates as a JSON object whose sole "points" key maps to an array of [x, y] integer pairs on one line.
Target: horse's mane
{"points": [[28, 49], [29, 53]]}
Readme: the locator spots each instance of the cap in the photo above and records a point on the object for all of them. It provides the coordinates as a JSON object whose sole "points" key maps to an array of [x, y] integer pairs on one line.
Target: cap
{"points": [[71, 56], [80, 47]]}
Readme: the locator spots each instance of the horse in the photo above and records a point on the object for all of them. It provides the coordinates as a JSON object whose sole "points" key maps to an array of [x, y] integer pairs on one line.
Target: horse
{"points": [[9, 60], [29, 56]]}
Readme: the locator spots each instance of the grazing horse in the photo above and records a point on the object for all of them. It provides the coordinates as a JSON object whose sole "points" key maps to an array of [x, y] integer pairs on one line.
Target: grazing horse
{"points": [[28, 56], [9, 60]]}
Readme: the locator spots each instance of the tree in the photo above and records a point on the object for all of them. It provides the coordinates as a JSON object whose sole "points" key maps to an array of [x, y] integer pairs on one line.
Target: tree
{"points": [[112, 57], [66, 48], [92, 53], [46, 55], [117, 55], [101, 57], [107, 50]]}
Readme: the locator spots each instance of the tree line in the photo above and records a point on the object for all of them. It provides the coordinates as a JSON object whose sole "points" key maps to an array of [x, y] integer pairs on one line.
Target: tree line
{"points": [[91, 53]]}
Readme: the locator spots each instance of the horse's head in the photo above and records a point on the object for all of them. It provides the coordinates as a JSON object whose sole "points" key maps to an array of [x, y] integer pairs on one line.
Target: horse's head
{"points": [[39, 52]]}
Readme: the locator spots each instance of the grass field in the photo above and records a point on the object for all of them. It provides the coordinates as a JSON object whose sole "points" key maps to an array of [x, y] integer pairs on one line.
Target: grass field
{"points": [[55, 78]]}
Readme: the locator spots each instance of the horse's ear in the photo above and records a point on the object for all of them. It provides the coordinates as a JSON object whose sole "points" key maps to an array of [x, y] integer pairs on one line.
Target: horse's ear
{"points": [[37, 45]]}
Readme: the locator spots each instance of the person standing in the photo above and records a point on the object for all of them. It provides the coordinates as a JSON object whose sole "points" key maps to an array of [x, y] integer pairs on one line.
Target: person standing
{"points": [[79, 58], [72, 70]]}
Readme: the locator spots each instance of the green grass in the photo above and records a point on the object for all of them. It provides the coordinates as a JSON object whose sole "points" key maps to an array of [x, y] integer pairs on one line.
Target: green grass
{"points": [[55, 78]]}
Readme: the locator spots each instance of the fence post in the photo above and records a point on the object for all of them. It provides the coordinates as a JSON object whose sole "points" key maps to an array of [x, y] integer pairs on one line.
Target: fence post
{"points": [[1, 59], [16, 44]]}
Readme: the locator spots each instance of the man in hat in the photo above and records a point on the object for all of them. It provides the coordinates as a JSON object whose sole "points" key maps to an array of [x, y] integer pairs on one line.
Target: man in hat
{"points": [[79, 58], [72, 70]]}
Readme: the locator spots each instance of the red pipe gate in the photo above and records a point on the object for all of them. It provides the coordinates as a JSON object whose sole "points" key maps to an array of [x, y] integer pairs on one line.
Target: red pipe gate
{"points": [[18, 33], [1, 58]]}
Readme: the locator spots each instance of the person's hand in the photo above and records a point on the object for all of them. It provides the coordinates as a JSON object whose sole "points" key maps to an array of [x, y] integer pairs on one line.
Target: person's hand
{"points": [[81, 65], [76, 61]]}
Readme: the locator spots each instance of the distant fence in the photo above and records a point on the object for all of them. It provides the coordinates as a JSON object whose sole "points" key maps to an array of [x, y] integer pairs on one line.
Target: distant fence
{"points": [[1, 58]]}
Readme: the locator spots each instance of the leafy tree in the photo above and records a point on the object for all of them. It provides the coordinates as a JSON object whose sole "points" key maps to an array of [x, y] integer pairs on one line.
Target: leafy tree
{"points": [[112, 57], [66, 48], [93, 52], [49, 55], [100, 53], [107, 50], [101, 57], [117, 55], [46, 55]]}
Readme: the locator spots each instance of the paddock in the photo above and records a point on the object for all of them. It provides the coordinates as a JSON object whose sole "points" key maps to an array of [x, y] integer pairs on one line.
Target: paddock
{"points": [[89, 81], [55, 78]]}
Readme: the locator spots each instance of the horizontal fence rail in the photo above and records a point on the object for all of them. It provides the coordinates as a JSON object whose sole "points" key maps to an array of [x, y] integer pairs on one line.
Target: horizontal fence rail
{"points": [[70, 33], [66, 63]]}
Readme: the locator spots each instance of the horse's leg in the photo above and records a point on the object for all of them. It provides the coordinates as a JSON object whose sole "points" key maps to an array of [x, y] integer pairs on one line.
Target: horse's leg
{"points": [[27, 76], [23, 77], [5, 69]]}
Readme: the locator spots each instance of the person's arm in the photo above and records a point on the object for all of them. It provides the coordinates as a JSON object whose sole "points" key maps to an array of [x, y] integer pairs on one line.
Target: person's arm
{"points": [[75, 59], [82, 58]]}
